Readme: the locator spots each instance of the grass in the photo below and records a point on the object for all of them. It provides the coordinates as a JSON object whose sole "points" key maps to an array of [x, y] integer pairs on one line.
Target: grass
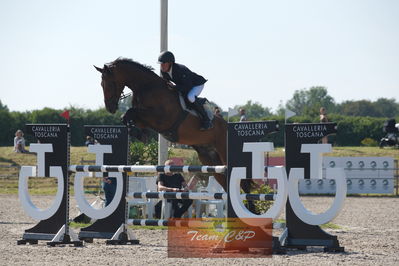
{"points": [[37, 186], [364, 152], [352, 151], [330, 226], [182, 153]]}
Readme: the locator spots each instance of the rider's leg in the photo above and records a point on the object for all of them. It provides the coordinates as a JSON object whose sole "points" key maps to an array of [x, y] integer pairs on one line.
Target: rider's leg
{"points": [[206, 123], [194, 92], [192, 97]]}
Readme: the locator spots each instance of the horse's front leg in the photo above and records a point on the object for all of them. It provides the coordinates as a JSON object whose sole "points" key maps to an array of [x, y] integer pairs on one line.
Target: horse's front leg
{"points": [[134, 117], [129, 118]]}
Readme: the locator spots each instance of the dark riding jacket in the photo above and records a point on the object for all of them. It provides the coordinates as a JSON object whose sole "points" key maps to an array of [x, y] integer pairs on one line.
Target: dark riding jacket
{"points": [[184, 78]]}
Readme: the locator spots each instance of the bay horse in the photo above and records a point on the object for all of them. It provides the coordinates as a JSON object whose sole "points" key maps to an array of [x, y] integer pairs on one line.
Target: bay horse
{"points": [[157, 106]]}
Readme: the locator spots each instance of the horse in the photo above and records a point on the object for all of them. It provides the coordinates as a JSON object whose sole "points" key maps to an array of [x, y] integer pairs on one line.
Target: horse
{"points": [[156, 105]]}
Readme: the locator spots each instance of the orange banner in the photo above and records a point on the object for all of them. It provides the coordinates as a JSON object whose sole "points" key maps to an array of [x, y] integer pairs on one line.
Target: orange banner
{"points": [[220, 238]]}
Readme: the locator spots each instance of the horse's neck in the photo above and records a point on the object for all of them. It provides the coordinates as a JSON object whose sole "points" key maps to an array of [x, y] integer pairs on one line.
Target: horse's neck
{"points": [[156, 94], [161, 104]]}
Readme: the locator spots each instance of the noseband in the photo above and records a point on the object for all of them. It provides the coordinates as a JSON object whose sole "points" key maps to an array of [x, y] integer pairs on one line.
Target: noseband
{"points": [[111, 99], [112, 87]]}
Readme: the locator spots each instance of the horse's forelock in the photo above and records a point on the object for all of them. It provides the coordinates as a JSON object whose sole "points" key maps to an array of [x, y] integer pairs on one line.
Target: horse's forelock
{"points": [[107, 67]]}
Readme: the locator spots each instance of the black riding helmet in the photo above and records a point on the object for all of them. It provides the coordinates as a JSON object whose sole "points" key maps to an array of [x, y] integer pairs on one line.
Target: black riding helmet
{"points": [[166, 57]]}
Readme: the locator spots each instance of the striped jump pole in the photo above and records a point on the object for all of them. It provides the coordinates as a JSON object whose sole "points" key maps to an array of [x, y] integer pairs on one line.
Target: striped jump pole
{"points": [[148, 168], [196, 196], [219, 169], [154, 222]]}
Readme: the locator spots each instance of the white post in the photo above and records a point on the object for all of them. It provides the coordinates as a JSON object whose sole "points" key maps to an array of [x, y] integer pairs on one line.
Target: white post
{"points": [[164, 25], [162, 142]]}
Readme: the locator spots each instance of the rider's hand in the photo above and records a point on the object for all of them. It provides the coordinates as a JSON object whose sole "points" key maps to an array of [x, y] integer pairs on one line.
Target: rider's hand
{"points": [[171, 85]]}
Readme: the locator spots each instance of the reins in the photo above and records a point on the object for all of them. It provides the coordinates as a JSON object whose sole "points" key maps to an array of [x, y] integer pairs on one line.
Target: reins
{"points": [[124, 96]]}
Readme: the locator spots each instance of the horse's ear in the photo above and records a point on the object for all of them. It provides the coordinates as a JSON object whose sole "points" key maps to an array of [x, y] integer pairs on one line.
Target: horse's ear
{"points": [[99, 69]]}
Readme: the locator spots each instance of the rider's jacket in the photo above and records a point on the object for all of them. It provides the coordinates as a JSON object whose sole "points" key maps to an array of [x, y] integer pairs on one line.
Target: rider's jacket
{"points": [[184, 78]]}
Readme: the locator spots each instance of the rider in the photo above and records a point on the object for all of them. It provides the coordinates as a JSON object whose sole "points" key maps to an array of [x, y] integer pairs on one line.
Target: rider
{"points": [[187, 82]]}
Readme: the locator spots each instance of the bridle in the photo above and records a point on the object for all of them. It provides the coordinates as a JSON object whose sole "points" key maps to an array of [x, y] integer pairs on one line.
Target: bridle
{"points": [[124, 96], [113, 87], [111, 99]]}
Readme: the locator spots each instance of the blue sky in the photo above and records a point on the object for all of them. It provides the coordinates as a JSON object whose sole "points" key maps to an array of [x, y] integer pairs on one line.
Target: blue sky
{"points": [[248, 50]]}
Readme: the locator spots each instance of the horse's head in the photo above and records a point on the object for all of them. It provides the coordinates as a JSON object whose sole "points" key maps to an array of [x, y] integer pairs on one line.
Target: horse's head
{"points": [[112, 88]]}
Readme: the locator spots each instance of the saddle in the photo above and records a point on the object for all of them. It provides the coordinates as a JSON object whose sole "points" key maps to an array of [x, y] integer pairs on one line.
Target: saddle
{"points": [[171, 134], [186, 105]]}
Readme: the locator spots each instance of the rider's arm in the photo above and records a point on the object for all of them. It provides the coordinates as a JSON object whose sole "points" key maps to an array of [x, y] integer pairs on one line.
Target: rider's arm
{"points": [[161, 187], [184, 186], [183, 77]]}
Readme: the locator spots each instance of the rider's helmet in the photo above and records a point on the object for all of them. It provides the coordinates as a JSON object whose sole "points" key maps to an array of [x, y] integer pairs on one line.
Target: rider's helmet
{"points": [[166, 57]]}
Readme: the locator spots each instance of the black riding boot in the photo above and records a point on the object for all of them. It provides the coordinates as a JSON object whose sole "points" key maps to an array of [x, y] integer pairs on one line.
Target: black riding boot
{"points": [[206, 123]]}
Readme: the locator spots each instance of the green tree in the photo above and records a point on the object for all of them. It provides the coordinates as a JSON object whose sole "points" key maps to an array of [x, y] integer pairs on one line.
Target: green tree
{"points": [[47, 115], [358, 108], [3, 106], [254, 110], [387, 107], [280, 109], [308, 101], [383, 107], [7, 133]]}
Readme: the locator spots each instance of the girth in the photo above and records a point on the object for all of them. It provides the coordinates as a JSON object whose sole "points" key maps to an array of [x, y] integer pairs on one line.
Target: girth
{"points": [[171, 133]]}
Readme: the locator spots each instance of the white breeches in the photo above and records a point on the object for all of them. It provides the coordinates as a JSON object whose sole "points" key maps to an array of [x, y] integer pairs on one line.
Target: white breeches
{"points": [[195, 91]]}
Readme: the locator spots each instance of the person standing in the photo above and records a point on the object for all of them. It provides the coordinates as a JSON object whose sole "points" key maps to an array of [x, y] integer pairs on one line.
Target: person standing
{"points": [[109, 187], [323, 119], [217, 112], [188, 83], [243, 116]]}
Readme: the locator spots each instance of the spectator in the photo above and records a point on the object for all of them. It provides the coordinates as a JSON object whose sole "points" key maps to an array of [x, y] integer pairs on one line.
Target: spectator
{"points": [[173, 182], [109, 186], [19, 142], [90, 141], [217, 112], [323, 119], [243, 117]]}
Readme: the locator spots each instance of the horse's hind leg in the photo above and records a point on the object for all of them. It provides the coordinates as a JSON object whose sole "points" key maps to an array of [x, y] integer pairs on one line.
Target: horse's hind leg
{"points": [[221, 149], [208, 156], [220, 140]]}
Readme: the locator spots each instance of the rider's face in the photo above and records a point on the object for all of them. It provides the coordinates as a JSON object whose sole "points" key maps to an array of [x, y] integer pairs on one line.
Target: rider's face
{"points": [[165, 67], [169, 163]]}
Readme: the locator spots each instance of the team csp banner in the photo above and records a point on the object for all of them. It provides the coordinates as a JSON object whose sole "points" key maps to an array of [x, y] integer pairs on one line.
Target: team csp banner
{"points": [[219, 238]]}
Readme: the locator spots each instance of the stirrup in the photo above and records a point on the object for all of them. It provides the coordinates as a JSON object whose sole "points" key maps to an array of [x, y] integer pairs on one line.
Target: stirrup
{"points": [[201, 101]]}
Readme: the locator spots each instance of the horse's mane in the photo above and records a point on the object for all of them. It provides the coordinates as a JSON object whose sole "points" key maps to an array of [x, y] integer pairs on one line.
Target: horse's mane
{"points": [[131, 62]]}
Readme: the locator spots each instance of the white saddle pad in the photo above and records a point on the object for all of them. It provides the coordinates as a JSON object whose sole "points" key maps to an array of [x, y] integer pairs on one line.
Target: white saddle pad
{"points": [[206, 107]]}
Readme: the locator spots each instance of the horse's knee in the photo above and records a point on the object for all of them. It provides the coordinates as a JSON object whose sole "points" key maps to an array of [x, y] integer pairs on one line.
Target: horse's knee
{"points": [[128, 117]]}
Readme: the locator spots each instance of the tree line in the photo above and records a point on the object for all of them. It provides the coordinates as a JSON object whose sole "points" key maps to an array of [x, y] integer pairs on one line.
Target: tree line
{"points": [[307, 102], [357, 120], [11, 121]]}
